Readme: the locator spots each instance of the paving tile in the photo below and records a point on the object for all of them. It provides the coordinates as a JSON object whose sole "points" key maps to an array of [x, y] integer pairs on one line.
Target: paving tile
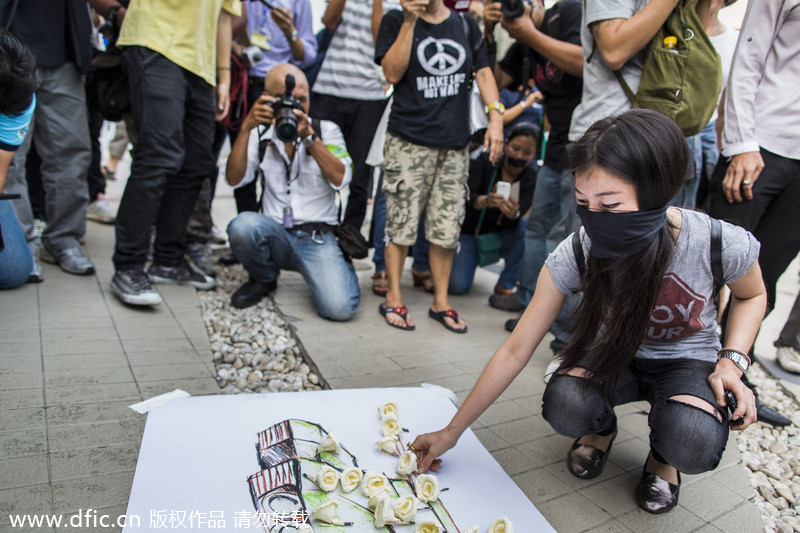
{"points": [[501, 412], [19, 398], [547, 450], [54, 363], [22, 471], [79, 334], [194, 387], [93, 492], [368, 365], [20, 363], [708, 528], [21, 419], [19, 443], [560, 470], [695, 498], [418, 359], [33, 499], [735, 478], [52, 347], [130, 333], [67, 394], [171, 372], [522, 431], [30, 379], [614, 526], [631, 454], [490, 440], [20, 348], [573, 512], [93, 461], [163, 357], [87, 413], [87, 375], [28, 334], [156, 345], [540, 486], [678, 520], [93, 523], [613, 495], [64, 438], [513, 461], [76, 321]]}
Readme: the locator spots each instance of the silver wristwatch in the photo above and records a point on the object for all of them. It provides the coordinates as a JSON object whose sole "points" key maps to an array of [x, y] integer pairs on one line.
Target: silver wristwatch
{"points": [[308, 141], [739, 358]]}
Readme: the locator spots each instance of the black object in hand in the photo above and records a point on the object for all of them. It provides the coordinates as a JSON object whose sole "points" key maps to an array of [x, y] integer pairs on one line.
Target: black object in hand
{"points": [[732, 404]]}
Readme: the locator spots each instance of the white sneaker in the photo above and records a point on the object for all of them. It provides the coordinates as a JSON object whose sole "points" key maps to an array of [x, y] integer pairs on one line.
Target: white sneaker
{"points": [[551, 368], [789, 359], [218, 236], [38, 228], [101, 211]]}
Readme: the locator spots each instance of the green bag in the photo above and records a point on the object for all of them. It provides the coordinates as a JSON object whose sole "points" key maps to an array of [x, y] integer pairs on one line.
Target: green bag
{"points": [[488, 244], [684, 86]]}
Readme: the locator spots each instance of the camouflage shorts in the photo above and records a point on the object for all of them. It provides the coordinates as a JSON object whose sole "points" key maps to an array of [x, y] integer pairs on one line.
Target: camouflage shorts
{"points": [[426, 180]]}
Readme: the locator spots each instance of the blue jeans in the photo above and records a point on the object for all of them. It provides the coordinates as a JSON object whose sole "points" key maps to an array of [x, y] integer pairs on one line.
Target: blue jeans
{"points": [[264, 246], [16, 261], [465, 259]]}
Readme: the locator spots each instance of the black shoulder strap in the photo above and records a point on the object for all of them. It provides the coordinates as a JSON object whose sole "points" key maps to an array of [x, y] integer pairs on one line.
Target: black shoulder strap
{"points": [[577, 248], [477, 46], [316, 125], [716, 255], [11, 12]]}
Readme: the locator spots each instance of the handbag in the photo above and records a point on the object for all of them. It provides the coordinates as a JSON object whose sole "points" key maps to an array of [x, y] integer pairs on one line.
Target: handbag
{"points": [[488, 244], [351, 241]]}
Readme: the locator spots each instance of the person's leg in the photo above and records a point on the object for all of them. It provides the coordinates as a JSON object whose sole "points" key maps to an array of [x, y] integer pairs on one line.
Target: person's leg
{"points": [[443, 218], [708, 141], [465, 263], [512, 250], [379, 222], [116, 149], [181, 191], [788, 342], [545, 214], [62, 139], [33, 176], [686, 197], [16, 261], [16, 183], [95, 178], [332, 280], [158, 98], [262, 245], [421, 249]]}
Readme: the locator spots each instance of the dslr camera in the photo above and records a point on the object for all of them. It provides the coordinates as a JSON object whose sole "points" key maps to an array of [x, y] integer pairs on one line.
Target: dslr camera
{"points": [[284, 117], [513, 8]]}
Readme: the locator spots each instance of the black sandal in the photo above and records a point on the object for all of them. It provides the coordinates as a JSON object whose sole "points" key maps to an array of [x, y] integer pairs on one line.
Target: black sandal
{"points": [[585, 461], [655, 494]]}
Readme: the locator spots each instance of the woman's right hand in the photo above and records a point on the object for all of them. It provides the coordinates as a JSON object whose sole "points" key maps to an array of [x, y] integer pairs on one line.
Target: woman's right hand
{"points": [[428, 448]]}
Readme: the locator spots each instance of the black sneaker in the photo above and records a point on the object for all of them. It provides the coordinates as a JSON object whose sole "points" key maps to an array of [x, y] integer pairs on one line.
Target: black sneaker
{"points": [[505, 302], [133, 288], [182, 274], [251, 293]]}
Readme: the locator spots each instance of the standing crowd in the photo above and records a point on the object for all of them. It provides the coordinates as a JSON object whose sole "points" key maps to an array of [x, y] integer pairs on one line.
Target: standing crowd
{"points": [[572, 153]]}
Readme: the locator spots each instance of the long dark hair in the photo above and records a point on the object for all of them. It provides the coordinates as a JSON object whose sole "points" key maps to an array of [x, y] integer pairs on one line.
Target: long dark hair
{"points": [[646, 149], [17, 75]]}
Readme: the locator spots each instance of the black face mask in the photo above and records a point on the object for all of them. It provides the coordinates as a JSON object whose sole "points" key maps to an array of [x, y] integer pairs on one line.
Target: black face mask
{"points": [[515, 162], [621, 234]]}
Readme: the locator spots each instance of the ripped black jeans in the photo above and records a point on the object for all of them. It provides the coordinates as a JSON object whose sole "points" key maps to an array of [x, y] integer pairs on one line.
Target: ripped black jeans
{"points": [[689, 438]]}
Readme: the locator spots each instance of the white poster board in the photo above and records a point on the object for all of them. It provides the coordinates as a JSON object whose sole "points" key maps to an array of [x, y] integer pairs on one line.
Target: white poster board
{"points": [[198, 453]]}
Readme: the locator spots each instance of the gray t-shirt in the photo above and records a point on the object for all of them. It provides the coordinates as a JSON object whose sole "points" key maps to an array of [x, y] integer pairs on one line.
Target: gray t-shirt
{"points": [[683, 323], [602, 94]]}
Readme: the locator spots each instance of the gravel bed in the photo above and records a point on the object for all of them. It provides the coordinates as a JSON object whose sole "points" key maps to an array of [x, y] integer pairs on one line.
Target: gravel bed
{"points": [[254, 349]]}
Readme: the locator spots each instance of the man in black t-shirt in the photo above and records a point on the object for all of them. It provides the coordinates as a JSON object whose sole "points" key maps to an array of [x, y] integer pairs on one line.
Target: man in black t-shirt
{"points": [[429, 53], [551, 42]]}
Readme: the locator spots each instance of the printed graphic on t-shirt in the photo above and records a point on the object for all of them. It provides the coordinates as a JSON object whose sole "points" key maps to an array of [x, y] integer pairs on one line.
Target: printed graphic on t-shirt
{"points": [[677, 311], [441, 58]]}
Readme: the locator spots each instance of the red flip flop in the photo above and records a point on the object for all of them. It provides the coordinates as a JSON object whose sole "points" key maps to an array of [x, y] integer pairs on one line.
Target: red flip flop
{"points": [[439, 317], [400, 311]]}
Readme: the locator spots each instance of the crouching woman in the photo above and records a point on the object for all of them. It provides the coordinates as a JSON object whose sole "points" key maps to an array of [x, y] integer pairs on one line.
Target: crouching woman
{"points": [[645, 329]]}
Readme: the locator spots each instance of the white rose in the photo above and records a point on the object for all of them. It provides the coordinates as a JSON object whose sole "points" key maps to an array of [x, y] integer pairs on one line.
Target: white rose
{"points": [[327, 478], [329, 444], [473, 529], [377, 497], [350, 478], [389, 444], [384, 512], [327, 513], [407, 463], [427, 487], [406, 508], [390, 425], [305, 528], [501, 525], [388, 408], [373, 482], [428, 525]]}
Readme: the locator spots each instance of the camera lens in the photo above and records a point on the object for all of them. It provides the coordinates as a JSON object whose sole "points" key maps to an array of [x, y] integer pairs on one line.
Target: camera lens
{"points": [[512, 8], [286, 124]]}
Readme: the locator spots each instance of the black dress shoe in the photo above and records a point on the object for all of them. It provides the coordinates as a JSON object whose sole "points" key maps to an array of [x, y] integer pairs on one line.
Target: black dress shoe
{"points": [[587, 462], [511, 323], [251, 293], [769, 415], [655, 494]]}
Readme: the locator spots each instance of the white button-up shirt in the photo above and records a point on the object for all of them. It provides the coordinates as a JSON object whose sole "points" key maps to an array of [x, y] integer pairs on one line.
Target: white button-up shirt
{"points": [[310, 195]]}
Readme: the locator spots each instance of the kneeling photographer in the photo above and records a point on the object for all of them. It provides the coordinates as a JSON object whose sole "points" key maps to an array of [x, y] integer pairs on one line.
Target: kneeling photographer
{"points": [[300, 165]]}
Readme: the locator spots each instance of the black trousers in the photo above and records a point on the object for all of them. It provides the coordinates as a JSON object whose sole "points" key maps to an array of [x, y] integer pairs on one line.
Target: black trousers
{"points": [[773, 215], [173, 111], [358, 120]]}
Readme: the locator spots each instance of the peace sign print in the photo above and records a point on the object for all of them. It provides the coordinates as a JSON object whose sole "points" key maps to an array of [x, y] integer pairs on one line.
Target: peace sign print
{"points": [[440, 57]]}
